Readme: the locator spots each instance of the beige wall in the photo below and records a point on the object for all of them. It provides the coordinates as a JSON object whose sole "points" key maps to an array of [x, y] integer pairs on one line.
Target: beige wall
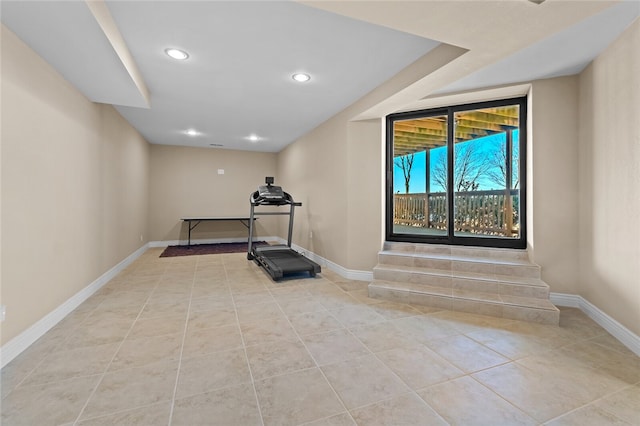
{"points": [[365, 203], [553, 192], [609, 173], [74, 188], [185, 182], [314, 171]]}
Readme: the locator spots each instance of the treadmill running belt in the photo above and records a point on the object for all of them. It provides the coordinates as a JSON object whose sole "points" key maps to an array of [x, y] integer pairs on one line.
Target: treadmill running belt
{"points": [[280, 261]]}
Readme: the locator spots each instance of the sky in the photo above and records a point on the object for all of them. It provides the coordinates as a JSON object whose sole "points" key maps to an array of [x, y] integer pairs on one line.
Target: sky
{"points": [[484, 146]]}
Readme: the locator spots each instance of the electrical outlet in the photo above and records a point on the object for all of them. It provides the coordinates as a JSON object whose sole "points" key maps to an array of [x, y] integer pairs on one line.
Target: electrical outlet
{"points": [[3, 312], [310, 234], [141, 239]]}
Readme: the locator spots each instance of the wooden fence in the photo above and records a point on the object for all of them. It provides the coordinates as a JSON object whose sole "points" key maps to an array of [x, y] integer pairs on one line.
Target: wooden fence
{"points": [[477, 212]]}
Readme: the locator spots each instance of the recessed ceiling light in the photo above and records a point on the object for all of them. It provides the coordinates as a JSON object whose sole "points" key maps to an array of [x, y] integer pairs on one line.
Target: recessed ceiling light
{"points": [[176, 53], [192, 132], [301, 77], [253, 138]]}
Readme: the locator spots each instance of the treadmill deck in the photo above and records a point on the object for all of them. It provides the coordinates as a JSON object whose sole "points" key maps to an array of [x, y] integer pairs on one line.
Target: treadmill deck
{"points": [[279, 261]]}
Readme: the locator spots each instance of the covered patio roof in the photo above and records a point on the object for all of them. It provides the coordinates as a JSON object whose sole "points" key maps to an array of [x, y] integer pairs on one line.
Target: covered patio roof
{"points": [[422, 134]]}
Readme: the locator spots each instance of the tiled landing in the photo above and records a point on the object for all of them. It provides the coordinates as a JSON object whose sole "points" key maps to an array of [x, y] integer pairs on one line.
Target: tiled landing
{"points": [[211, 340], [496, 282]]}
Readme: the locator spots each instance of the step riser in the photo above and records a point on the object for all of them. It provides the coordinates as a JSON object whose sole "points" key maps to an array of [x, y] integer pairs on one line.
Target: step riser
{"points": [[541, 316], [500, 288], [462, 283], [456, 250], [409, 277], [523, 271]]}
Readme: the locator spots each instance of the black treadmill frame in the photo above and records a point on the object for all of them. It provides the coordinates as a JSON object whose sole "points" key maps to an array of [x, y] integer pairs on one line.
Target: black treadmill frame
{"points": [[278, 260]]}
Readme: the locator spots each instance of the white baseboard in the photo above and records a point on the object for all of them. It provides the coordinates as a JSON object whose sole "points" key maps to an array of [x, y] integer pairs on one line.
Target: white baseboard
{"points": [[617, 330], [15, 346], [349, 274]]}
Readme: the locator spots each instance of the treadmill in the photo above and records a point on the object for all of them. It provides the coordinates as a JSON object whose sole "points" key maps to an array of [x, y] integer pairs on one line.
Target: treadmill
{"points": [[277, 260]]}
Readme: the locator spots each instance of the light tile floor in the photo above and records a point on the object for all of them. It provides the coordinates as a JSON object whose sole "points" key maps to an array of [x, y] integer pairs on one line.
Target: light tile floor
{"points": [[211, 340]]}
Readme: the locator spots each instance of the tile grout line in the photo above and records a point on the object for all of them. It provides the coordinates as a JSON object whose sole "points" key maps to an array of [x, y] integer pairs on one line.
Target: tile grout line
{"points": [[410, 389], [104, 373], [517, 362], [596, 400], [244, 345], [184, 336], [349, 331], [315, 361], [512, 404]]}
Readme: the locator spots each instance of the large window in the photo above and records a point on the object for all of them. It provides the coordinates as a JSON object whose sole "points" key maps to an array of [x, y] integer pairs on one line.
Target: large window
{"points": [[456, 175]]}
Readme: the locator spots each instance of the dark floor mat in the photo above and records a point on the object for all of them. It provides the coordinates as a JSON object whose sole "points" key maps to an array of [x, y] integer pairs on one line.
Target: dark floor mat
{"points": [[200, 249]]}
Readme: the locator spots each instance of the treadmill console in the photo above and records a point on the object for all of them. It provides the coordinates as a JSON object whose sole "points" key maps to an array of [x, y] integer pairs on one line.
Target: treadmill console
{"points": [[271, 193]]}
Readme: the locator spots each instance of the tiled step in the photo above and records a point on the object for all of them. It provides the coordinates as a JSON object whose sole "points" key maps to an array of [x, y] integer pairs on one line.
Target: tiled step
{"points": [[498, 305], [448, 250], [497, 282], [459, 280], [462, 263]]}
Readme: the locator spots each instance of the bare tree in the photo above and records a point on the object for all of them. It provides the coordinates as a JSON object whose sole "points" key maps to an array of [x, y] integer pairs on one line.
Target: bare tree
{"points": [[498, 170], [469, 167], [406, 164]]}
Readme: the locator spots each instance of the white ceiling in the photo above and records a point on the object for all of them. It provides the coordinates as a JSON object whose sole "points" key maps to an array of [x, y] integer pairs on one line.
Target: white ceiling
{"points": [[565, 53], [237, 80]]}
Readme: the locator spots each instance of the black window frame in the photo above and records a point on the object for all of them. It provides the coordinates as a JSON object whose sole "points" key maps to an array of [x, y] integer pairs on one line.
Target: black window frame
{"points": [[450, 238]]}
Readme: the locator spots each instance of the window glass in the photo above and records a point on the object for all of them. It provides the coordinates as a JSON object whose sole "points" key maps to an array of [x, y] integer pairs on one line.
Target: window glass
{"points": [[455, 175]]}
